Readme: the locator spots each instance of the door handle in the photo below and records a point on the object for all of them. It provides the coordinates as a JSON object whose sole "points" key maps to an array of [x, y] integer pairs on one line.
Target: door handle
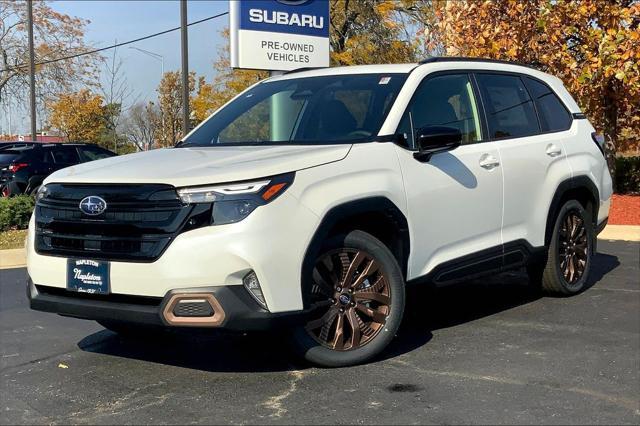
{"points": [[553, 151], [489, 162]]}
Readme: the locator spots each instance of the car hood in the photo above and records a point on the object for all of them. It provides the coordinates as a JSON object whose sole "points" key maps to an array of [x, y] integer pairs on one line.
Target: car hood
{"points": [[198, 166]]}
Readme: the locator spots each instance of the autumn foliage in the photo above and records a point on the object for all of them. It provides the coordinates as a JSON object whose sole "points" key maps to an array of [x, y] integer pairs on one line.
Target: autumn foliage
{"points": [[78, 116], [55, 35], [592, 45]]}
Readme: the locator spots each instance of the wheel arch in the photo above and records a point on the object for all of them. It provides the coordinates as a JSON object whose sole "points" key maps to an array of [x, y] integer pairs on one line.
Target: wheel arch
{"points": [[580, 188], [377, 216]]}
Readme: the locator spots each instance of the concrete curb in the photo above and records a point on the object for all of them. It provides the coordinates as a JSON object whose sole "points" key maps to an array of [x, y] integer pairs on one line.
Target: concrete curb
{"points": [[621, 232], [16, 258]]}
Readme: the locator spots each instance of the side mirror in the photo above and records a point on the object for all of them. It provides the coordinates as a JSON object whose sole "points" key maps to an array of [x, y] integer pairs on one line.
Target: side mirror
{"points": [[434, 139]]}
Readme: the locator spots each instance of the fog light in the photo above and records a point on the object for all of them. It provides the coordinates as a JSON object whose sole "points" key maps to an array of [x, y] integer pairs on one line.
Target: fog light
{"points": [[252, 285]]}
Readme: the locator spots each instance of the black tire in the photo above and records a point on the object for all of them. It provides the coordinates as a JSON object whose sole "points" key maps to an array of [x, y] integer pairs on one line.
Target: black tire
{"points": [[552, 275], [131, 330], [387, 276]]}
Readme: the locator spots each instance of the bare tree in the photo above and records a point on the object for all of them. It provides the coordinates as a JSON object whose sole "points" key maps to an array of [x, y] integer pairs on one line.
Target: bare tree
{"points": [[118, 95], [142, 125], [56, 36]]}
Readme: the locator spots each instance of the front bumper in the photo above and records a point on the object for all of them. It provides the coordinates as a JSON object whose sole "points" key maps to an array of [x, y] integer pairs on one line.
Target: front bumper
{"points": [[267, 242], [239, 311]]}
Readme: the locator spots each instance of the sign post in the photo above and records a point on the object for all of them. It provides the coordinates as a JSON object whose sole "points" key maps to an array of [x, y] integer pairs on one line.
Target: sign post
{"points": [[279, 35], [184, 31]]}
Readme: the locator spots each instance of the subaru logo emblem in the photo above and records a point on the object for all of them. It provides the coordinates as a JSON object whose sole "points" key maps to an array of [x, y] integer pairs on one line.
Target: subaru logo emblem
{"points": [[344, 298], [93, 205]]}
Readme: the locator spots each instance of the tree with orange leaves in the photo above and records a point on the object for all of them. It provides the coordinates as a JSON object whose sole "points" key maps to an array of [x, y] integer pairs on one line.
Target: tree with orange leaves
{"points": [[80, 116], [592, 45]]}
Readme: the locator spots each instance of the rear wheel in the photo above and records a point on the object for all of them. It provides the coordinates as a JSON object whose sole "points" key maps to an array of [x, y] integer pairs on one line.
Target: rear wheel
{"points": [[357, 295], [569, 257]]}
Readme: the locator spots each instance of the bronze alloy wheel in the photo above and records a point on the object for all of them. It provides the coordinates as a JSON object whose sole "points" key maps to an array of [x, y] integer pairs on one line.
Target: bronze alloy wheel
{"points": [[573, 249], [352, 299]]}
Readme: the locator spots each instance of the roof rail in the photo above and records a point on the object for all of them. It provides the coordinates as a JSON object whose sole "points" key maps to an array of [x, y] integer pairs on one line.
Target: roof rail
{"points": [[434, 59]]}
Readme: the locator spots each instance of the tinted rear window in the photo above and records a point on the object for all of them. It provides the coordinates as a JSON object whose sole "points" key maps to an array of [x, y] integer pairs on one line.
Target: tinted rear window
{"points": [[8, 157], [510, 110], [553, 115]]}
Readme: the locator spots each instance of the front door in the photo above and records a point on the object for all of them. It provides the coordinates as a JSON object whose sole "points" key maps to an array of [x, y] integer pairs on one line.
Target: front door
{"points": [[455, 199]]}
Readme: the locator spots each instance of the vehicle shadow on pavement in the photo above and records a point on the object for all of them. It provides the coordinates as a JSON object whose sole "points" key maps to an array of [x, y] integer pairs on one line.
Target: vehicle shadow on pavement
{"points": [[208, 350], [427, 309]]}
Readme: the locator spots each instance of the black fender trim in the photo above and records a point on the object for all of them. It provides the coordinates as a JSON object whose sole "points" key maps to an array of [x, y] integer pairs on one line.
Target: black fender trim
{"points": [[576, 182], [354, 208], [493, 260]]}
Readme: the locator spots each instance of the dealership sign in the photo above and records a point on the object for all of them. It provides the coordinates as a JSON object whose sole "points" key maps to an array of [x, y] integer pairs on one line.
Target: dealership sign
{"points": [[279, 35]]}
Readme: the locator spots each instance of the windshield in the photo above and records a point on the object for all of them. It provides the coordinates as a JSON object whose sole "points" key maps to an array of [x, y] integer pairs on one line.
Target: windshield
{"points": [[329, 109]]}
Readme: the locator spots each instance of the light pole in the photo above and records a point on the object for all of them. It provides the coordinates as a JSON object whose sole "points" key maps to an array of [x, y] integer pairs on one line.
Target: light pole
{"points": [[32, 71], [153, 55], [161, 59], [185, 67]]}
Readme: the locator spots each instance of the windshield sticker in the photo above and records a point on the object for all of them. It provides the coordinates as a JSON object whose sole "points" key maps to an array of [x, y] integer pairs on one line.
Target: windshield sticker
{"points": [[384, 80]]}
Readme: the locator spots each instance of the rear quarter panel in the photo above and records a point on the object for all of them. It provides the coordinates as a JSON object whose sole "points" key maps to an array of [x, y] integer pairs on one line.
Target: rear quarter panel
{"points": [[585, 159]]}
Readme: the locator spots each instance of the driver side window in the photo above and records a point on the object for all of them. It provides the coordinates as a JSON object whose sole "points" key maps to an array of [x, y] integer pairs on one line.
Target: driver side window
{"points": [[446, 100]]}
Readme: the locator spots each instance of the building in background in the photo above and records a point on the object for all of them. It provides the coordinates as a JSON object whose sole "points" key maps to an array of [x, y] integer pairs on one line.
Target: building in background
{"points": [[44, 137]]}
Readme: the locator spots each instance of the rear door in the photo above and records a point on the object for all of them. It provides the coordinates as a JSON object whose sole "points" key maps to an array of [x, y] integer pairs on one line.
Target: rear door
{"points": [[454, 199], [529, 128]]}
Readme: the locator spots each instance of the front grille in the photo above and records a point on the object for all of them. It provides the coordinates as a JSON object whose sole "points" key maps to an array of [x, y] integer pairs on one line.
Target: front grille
{"points": [[138, 225]]}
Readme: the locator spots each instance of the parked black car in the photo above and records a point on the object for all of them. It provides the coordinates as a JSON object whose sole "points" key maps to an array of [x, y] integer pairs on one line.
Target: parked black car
{"points": [[23, 166]]}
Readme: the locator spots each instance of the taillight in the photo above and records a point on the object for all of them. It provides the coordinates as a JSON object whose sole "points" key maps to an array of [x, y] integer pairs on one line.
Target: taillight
{"points": [[14, 167], [599, 140]]}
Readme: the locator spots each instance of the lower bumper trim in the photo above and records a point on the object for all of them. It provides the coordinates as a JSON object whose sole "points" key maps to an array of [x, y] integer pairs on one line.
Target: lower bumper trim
{"points": [[239, 312]]}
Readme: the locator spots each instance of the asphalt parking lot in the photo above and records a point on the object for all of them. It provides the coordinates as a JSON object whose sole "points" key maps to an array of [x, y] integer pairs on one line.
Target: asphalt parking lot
{"points": [[488, 351]]}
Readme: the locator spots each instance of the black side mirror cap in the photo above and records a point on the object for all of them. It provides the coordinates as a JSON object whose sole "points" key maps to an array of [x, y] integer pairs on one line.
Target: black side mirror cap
{"points": [[435, 139]]}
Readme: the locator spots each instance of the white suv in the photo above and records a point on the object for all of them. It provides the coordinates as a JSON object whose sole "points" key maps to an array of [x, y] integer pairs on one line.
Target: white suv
{"points": [[312, 198]]}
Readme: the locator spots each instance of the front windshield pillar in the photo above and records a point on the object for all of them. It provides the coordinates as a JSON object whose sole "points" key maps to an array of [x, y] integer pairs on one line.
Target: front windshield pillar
{"points": [[282, 116]]}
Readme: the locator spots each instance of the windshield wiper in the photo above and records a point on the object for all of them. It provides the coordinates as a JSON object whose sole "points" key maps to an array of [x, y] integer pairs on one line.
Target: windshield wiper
{"points": [[182, 144]]}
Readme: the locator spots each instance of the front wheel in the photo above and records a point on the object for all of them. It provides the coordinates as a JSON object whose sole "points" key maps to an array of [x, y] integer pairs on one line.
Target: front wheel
{"points": [[357, 297], [570, 252]]}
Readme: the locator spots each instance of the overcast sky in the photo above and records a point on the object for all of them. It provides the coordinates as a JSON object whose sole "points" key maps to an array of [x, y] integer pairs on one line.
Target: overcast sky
{"points": [[126, 20]]}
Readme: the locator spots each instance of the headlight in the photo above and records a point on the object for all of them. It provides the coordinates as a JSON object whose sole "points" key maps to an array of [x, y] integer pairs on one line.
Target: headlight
{"points": [[234, 202], [207, 194], [43, 191]]}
